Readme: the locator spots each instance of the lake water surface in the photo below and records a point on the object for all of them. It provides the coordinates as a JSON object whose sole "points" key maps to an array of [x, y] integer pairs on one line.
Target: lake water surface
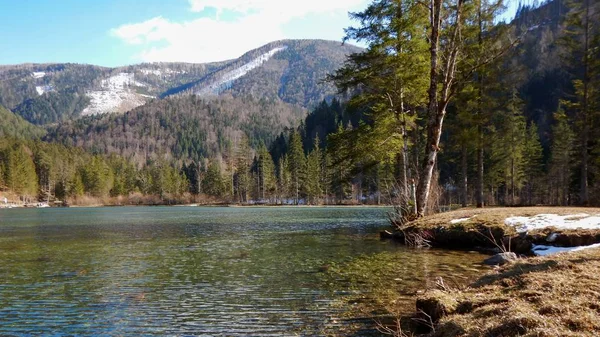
{"points": [[201, 271]]}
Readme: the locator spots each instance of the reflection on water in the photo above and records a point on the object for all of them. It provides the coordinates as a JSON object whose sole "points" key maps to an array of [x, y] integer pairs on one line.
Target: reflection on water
{"points": [[185, 270]]}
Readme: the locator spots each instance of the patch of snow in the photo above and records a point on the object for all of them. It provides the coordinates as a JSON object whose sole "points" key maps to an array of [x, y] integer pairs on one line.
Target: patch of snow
{"points": [[115, 95], [121, 81], [41, 89], [543, 250], [573, 221], [229, 77], [38, 74], [159, 72], [533, 28], [156, 72], [459, 220]]}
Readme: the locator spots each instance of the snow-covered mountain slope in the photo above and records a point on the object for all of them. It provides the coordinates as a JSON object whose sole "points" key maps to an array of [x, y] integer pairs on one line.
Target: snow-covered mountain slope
{"points": [[41, 89], [38, 74], [225, 81], [118, 93], [288, 70], [291, 70]]}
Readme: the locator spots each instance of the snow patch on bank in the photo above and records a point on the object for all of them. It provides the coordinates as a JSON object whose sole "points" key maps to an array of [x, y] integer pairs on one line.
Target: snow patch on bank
{"points": [[455, 221], [227, 79], [543, 250], [572, 221], [116, 94], [524, 224]]}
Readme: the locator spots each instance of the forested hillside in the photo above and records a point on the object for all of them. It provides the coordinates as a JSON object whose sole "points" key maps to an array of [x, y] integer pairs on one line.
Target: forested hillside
{"points": [[14, 126], [180, 129]]}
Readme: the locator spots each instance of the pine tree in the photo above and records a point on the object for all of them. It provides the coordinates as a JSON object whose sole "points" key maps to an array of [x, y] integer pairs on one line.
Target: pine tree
{"points": [[46, 174], [581, 56], [514, 139], [560, 158], [2, 170], [284, 179], [76, 187], [242, 169], [213, 183], [392, 77], [341, 163], [326, 174], [21, 177], [266, 173], [297, 165], [97, 177], [312, 182], [532, 165]]}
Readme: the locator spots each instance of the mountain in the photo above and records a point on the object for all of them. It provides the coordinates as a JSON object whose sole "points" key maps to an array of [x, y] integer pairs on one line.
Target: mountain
{"points": [[289, 70], [50, 93]]}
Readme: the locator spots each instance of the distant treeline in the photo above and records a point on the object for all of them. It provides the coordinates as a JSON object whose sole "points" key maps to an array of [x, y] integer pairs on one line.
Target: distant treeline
{"points": [[304, 172], [36, 170]]}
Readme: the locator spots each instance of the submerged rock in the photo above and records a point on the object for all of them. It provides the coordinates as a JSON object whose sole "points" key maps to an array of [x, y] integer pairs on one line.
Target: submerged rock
{"points": [[500, 259]]}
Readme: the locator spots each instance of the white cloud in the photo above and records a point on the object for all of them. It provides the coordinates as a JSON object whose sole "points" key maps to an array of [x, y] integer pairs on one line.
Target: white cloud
{"points": [[208, 39], [286, 9]]}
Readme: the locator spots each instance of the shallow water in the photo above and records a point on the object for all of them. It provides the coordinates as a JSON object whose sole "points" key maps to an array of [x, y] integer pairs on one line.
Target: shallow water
{"points": [[158, 271]]}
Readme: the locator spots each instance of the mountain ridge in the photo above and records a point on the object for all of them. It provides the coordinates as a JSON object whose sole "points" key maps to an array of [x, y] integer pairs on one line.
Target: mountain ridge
{"points": [[290, 70]]}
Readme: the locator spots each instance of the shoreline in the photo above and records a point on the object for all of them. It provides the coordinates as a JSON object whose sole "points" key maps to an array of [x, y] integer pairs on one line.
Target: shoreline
{"points": [[203, 205], [554, 293], [525, 231]]}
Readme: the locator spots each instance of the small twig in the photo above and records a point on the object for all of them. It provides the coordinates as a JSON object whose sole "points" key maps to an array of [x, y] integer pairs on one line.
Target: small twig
{"points": [[492, 239]]}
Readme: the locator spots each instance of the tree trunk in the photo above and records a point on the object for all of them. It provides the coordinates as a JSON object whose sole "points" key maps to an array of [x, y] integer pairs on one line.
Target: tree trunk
{"points": [[584, 194], [512, 182], [464, 178], [479, 189], [437, 102], [436, 116], [480, 168], [405, 191]]}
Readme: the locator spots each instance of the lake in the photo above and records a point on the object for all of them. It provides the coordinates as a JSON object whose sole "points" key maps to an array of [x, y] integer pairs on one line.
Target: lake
{"points": [[201, 271]]}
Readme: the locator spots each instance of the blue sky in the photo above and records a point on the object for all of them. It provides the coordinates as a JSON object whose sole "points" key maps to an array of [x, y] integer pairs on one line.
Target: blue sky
{"points": [[120, 32]]}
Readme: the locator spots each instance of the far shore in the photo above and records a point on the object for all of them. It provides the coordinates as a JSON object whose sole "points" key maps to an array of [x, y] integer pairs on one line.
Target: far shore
{"points": [[197, 205]]}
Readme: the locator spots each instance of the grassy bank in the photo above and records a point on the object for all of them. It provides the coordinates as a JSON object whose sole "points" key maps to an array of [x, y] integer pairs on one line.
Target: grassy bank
{"points": [[488, 229], [556, 295], [553, 295]]}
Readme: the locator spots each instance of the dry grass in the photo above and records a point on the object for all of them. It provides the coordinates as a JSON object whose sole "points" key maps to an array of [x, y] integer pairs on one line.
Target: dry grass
{"points": [[496, 216], [549, 296]]}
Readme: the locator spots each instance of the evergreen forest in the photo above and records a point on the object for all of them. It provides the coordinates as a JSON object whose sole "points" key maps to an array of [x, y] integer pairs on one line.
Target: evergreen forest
{"points": [[449, 104]]}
